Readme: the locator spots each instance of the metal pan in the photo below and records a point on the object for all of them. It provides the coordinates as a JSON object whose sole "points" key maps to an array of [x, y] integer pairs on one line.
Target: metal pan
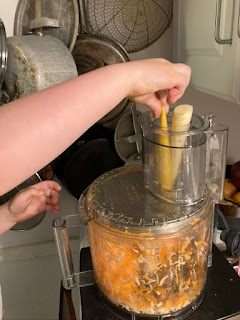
{"points": [[93, 51], [3, 63], [3, 53]]}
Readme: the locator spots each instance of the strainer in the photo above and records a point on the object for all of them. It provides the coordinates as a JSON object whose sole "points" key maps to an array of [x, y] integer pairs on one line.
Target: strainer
{"points": [[135, 24]]}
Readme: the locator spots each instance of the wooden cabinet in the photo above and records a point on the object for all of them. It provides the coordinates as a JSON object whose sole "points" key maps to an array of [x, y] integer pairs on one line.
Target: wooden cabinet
{"points": [[206, 37]]}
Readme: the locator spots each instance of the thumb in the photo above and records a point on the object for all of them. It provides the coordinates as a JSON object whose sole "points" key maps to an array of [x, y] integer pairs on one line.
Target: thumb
{"points": [[154, 103]]}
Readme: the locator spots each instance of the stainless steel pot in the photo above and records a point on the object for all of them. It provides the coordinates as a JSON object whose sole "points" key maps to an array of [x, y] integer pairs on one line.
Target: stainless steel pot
{"points": [[35, 63]]}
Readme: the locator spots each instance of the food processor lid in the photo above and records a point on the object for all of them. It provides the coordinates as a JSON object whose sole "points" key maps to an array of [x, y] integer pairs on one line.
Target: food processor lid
{"points": [[119, 199]]}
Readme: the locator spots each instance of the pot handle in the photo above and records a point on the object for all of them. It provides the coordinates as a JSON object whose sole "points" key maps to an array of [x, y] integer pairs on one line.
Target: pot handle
{"points": [[39, 22], [70, 279]]}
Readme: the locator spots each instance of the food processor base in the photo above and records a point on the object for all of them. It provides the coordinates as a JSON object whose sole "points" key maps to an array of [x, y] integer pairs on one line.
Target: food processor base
{"points": [[122, 314], [220, 301]]}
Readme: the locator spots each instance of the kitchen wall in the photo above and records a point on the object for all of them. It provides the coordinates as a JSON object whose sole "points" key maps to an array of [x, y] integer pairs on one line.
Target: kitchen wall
{"points": [[225, 112], [7, 12]]}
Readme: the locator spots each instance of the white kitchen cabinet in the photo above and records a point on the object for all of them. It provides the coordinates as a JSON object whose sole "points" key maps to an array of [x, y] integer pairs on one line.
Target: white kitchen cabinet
{"points": [[215, 66]]}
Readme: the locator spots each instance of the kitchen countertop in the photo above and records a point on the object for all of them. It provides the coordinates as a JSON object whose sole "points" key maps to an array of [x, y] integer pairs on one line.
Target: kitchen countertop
{"points": [[221, 299]]}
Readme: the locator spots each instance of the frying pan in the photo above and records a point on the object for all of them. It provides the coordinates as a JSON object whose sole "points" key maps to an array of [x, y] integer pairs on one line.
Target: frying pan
{"points": [[3, 62], [86, 159], [3, 53], [92, 51]]}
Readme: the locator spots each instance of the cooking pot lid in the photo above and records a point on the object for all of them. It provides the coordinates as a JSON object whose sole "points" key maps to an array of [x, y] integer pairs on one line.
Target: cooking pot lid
{"points": [[119, 199], [3, 52], [60, 18]]}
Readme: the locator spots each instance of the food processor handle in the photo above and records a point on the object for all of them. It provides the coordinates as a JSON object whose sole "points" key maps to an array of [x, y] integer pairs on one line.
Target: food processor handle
{"points": [[70, 279], [216, 151]]}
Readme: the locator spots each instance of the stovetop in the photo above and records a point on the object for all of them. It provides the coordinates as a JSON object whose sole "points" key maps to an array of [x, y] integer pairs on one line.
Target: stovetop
{"points": [[221, 299]]}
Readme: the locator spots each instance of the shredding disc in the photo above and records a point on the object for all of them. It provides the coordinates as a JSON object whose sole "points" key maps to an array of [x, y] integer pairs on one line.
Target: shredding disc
{"points": [[120, 200]]}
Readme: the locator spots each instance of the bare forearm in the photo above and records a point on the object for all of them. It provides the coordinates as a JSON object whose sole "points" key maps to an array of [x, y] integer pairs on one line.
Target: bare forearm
{"points": [[36, 129], [41, 126]]}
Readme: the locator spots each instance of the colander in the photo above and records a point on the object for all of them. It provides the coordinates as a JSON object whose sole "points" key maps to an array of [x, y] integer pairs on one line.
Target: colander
{"points": [[135, 24]]}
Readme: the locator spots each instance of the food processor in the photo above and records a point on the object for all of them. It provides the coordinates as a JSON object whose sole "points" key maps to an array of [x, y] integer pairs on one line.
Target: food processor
{"points": [[150, 238]]}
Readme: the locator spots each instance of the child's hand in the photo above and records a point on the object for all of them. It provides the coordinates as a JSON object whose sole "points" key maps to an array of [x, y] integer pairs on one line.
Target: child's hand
{"points": [[33, 200]]}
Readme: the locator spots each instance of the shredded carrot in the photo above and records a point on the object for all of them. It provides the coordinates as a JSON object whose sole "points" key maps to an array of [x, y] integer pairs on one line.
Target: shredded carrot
{"points": [[187, 284], [195, 222], [150, 275], [146, 278]]}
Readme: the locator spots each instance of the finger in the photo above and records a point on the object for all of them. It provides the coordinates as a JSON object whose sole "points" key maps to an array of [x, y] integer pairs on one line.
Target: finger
{"points": [[174, 95], [151, 101], [54, 197], [54, 203], [47, 186], [176, 92], [154, 103], [55, 186], [162, 95], [54, 209]]}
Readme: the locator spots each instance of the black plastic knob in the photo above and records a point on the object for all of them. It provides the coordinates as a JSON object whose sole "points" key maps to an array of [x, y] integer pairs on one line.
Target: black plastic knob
{"points": [[232, 240]]}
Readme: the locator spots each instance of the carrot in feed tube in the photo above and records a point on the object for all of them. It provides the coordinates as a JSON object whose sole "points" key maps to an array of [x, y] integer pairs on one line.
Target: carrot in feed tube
{"points": [[164, 175]]}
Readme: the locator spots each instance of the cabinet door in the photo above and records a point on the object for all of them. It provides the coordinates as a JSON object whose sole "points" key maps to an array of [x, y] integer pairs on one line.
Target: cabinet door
{"points": [[215, 67]]}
